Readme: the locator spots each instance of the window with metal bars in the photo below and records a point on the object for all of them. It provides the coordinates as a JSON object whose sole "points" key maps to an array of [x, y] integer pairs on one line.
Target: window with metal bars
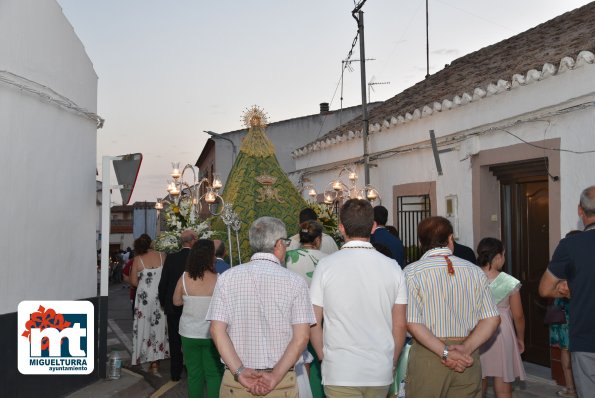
{"points": [[410, 211]]}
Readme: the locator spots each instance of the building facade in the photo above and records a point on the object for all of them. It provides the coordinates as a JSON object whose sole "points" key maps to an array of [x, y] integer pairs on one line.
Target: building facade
{"points": [[514, 136], [48, 127]]}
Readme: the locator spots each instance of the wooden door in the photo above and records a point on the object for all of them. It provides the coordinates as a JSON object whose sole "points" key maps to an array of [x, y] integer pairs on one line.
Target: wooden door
{"points": [[525, 232]]}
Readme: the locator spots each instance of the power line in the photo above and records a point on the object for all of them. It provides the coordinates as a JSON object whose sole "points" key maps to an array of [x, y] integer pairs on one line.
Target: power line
{"points": [[48, 94]]}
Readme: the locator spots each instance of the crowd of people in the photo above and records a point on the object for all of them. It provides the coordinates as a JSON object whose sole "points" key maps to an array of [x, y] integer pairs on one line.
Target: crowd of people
{"points": [[306, 318]]}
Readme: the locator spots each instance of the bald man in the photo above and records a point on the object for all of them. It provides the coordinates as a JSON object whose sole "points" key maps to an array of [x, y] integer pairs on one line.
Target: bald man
{"points": [[173, 268], [220, 265]]}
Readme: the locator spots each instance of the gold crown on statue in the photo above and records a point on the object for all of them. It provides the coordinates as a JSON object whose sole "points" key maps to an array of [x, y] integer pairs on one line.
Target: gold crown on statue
{"points": [[255, 117]]}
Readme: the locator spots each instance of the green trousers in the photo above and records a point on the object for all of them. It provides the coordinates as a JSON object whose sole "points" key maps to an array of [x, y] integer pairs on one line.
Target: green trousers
{"points": [[315, 375], [203, 366]]}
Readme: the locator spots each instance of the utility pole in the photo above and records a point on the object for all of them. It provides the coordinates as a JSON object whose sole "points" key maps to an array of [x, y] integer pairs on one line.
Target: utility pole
{"points": [[427, 42], [362, 57]]}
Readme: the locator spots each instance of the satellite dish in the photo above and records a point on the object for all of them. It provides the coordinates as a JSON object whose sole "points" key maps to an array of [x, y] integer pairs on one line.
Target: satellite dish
{"points": [[126, 172]]}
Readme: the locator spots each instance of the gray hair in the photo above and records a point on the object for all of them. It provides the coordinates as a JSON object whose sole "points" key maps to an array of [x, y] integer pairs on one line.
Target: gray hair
{"points": [[188, 236], [587, 202], [264, 234]]}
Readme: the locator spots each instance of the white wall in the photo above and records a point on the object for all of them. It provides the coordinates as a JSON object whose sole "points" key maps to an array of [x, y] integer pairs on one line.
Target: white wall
{"points": [[47, 159], [561, 106]]}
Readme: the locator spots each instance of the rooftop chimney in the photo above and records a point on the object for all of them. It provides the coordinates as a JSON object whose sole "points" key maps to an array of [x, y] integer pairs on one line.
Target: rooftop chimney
{"points": [[324, 107]]}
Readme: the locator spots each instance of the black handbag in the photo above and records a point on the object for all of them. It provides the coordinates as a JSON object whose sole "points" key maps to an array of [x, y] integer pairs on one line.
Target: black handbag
{"points": [[554, 315]]}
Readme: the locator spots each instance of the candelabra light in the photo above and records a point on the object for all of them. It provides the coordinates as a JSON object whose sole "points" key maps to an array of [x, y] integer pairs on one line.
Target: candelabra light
{"points": [[188, 193], [180, 190], [337, 189]]}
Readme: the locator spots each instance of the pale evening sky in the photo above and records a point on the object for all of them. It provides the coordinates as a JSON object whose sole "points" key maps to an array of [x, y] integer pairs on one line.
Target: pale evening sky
{"points": [[170, 69]]}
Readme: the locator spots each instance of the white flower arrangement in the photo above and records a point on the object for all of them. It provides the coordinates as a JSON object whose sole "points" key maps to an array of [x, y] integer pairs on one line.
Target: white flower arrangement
{"points": [[329, 220], [177, 219]]}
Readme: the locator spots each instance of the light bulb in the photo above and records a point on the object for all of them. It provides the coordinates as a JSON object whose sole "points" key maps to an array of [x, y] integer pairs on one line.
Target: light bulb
{"points": [[372, 194], [175, 173], [217, 184], [210, 197]]}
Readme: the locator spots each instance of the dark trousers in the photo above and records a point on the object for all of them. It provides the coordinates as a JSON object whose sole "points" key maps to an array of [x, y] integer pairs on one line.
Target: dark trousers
{"points": [[175, 344]]}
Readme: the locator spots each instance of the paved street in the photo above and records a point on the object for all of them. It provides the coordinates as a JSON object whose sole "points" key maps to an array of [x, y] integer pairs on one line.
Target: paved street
{"points": [[155, 386], [120, 339]]}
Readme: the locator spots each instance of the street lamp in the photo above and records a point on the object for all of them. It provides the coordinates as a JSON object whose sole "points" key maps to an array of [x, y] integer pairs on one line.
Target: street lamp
{"points": [[220, 137]]}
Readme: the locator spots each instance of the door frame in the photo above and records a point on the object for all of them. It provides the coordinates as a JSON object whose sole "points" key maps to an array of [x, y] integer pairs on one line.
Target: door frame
{"points": [[486, 189]]}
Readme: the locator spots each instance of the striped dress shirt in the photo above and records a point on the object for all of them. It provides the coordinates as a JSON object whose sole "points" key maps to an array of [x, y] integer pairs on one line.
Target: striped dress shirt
{"points": [[448, 305]]}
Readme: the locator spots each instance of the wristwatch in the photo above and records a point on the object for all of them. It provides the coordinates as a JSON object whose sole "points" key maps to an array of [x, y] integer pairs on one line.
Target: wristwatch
{"points": [[236, 374], [445, 353]]}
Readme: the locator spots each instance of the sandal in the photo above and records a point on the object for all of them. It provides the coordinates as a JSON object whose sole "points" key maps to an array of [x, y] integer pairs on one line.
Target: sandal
{"points": [[154, 368]]}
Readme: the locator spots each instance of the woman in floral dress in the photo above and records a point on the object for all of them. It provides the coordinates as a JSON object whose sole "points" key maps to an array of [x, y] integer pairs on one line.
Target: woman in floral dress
{"points": [[149, 332]]}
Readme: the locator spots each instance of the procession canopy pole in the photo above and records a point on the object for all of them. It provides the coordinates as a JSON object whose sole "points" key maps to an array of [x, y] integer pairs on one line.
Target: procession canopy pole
{"points": [[230, 245], [238, 242]]}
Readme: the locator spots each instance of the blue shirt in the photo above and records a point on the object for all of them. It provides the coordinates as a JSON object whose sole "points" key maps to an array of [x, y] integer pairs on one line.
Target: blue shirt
{"points": [[383, 237], [221, 266], [573, 261]]}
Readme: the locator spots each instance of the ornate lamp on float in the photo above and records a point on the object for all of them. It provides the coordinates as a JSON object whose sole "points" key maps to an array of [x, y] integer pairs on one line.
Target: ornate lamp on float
{"points": [[185, 198], [338, 190], [179, 191]]}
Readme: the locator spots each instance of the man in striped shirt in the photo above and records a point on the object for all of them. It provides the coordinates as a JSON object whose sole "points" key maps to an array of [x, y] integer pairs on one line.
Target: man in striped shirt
{"points": [[450, 313]]}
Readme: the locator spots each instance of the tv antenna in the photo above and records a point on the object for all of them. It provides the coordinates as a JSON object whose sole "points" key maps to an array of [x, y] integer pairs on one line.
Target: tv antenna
{"points": [[371, 85]]}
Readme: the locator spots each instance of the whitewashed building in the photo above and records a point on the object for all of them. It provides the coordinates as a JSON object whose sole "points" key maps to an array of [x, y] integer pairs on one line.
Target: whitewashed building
{"points": [[515, 127], [48, 127]]}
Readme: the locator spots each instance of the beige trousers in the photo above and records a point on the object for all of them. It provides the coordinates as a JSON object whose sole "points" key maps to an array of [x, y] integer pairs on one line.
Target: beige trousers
{"points": [[360, 392], [427, 377], [287, 387]]}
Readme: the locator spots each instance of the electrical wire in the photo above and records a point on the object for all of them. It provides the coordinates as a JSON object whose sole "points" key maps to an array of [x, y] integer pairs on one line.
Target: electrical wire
{"points": [[344, 65], [48, 94], [466, 135], [546, 148]]}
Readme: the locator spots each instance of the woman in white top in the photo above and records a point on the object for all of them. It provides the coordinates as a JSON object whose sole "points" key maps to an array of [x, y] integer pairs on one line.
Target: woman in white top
{"points": [[149, 331], [193, 291]]}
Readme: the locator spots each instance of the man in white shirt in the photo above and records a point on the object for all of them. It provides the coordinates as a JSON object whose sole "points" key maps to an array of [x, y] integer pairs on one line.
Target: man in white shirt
{"points": [[362, 297], [327, 243]]}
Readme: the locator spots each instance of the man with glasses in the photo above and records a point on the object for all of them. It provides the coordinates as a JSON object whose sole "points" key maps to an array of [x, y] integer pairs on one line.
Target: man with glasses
{"points": [[173, 268], [260, 317]]}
